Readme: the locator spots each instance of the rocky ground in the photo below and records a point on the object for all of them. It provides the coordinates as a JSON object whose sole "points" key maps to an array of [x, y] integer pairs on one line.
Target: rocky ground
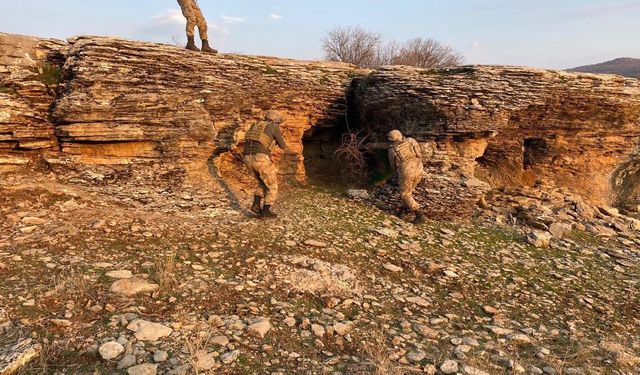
{"points": [[105, 272]]}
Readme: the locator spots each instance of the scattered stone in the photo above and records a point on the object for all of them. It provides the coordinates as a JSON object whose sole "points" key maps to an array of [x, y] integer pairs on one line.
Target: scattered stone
{"points": [[449, 367], [416, 356], [120, 274], [539, 239], [110, 350], [148, 331], [358, 194], [144, 369], [342, 329], [260, 328], [160, 356], [220, 340], [392, 267], [314, 243], [133, 286], [126, 362], [229, 357]]}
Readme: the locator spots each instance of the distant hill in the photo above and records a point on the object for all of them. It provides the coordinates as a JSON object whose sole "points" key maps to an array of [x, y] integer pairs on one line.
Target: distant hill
{"points": [[625, 66]]}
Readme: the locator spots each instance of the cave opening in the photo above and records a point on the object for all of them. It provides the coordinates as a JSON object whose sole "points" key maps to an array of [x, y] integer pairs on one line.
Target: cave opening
{"points": [[535, 150]]}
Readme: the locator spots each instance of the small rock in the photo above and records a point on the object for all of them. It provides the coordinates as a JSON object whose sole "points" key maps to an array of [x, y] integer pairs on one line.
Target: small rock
{"points": [[120, 274], [342, 328], [133, 286], [392, 267], [318, 330], [110, 350], [449, 367], [358, 194], [260, 328], [204, 361], [418, 301], [229, 357], [539, 239], [145, 369], [160, 356], [126, 362], [148, 331], [416, 356], [314, 243], [220, 340], [28, 220]]}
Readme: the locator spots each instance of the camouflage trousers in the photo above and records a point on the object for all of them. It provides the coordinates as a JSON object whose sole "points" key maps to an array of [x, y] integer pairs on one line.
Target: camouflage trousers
{"points": [[267, 175], [191, 11], [410, 174]]}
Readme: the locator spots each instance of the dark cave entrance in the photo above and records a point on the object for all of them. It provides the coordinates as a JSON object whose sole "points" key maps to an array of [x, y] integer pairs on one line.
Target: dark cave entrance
{"points": [[534, 150]]}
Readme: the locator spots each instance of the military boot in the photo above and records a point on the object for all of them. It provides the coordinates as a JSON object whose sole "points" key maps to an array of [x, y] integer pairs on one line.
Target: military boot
{"points": [[256, 208], [207, 48], [191, 44], [266, 212], [420, 218]]}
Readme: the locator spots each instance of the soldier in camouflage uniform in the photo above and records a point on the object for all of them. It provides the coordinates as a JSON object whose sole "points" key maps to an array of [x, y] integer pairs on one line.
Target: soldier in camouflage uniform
{"points": [[191, 11], [405, 156], [257, 157]]}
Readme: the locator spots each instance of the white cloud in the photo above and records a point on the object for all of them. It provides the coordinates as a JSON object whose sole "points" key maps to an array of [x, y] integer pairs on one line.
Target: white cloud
{"points": [[232, 20], [475, 45], [169, 17], [275, 16]]}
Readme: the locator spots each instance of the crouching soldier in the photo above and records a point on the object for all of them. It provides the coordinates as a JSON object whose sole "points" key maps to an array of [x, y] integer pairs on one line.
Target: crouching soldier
{"points": [[405, 156], [257, 157]]}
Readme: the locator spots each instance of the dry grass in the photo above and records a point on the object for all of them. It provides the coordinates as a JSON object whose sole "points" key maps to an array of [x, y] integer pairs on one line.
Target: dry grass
{"points": [[196, 346], [165, 273], [377, 355], [73, 285]]}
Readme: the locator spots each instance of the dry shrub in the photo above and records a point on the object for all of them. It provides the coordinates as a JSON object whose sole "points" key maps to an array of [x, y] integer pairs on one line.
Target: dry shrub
{"points": [[377, 354], [351, 153], [73, 285], [165, 273], [196, 347]]}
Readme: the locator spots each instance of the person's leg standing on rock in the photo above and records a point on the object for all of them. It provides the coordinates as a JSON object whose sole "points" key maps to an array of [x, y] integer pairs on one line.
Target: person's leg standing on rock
{"points": [[191, 11]]}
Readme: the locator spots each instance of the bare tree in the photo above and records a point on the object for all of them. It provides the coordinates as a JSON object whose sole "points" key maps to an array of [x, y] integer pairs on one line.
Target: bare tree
{"points": [[353, 45], [367, 49], [427, 53]]}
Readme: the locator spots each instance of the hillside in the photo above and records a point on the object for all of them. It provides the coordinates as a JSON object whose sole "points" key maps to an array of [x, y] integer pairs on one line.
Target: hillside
{"points": [[624, 66]]}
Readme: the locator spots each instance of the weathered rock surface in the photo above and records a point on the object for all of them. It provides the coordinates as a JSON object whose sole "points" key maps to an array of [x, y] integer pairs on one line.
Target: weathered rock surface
{"points": [[29, 74], [131, 99], [510, 126], [97, 100]]}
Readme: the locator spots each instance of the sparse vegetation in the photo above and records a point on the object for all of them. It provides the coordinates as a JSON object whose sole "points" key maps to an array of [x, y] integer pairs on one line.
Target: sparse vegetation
{"points": [[370, 50], [49, 74]]}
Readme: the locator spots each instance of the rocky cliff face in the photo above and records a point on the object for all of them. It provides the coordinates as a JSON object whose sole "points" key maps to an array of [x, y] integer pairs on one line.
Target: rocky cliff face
{"points": [[108, 101], [121, 101], [29, 74], [512, 126]]}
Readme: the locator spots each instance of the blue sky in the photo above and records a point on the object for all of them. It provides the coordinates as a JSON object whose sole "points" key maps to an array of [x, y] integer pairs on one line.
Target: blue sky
{"points": [[542, 33]]}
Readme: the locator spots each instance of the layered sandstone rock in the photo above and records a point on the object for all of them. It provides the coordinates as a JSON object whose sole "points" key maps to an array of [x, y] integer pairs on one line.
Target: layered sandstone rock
{"points": [[29, 75], [142, 100], [96, 100], [511, 126]]}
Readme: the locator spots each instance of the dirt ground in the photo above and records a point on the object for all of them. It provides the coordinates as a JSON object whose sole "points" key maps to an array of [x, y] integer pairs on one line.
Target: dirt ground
{"points": [[332, 286]]}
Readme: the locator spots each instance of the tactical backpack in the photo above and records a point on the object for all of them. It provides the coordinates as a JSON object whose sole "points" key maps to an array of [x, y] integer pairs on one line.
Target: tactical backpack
{"points": [[404, 151], [257, 134]]}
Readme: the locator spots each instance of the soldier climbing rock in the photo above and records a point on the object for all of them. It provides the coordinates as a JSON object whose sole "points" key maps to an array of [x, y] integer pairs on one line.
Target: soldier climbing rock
{"points": [[257, 157], [405, 156], [191, 11]]}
